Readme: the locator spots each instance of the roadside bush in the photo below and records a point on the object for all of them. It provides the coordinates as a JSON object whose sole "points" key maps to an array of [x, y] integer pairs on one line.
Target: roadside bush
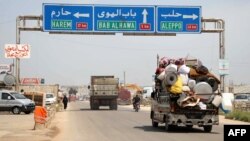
{"points": [[245, 117], [229, 116], [239, 115]]}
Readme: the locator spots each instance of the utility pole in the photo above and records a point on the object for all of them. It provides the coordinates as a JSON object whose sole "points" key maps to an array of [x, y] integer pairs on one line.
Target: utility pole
{"points": [[124, 78]]}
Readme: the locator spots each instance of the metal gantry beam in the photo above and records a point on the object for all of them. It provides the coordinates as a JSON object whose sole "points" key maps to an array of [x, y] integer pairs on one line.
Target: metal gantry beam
{"points": [[21, 25], [217, 26], [208, 26]]}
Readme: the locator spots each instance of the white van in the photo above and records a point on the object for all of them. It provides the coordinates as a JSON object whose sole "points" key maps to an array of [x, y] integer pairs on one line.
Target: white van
{"points": [[147, 92], [15, 102]]}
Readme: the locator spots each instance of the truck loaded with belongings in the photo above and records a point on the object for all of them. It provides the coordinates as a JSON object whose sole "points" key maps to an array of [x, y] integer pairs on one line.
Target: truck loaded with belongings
{"points": [[185, 94]]}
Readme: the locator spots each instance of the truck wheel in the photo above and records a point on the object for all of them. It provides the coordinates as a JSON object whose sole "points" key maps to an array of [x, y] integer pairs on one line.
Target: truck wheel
{"points": [[168, 127], [96, 107], [154, 123], [115, 107], [152, 115], [16, 110], [207, 128]]}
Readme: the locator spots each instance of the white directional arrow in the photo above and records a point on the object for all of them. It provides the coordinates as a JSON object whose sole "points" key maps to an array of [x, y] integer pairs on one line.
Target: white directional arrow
{"points": [[77, 15], [190, 16], [145, 14]]}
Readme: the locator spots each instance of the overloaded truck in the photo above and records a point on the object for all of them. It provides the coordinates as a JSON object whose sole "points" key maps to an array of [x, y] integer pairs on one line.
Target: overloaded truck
{"points": [[184, 95], [103, 92]]}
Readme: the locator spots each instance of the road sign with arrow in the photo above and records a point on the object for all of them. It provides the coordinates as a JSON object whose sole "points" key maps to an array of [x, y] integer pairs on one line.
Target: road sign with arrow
{"points": [[124, 18], [113, 18], [172, 19], [67, 18]]}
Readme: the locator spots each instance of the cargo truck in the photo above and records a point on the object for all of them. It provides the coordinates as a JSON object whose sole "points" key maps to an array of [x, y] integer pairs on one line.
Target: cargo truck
{"points": [[167, 107], [103, 92]]}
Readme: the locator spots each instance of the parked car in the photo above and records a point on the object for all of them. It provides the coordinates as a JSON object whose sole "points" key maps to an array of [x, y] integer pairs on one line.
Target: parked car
{"points": [[242, 97], [50, 98], [15, 102]]}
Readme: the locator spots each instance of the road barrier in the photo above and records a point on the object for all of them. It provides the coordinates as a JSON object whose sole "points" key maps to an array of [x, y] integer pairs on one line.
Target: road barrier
{"points": [[43, 116]]}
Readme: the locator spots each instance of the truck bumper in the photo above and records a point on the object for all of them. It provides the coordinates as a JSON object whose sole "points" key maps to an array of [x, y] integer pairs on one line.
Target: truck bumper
{"points": [[175, 119], [104, 100]]}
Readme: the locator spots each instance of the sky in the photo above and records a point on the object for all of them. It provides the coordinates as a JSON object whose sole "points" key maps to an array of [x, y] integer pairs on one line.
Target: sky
{"points": [[68, 59]]}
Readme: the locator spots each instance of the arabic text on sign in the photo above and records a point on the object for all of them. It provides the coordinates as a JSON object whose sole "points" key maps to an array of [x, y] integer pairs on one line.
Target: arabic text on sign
{"points": [[118, 13], [17, 51]]}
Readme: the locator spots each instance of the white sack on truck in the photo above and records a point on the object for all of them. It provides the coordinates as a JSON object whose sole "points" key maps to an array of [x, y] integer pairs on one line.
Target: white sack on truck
{"points": [[161, 76], [171, 68], [191, 83], [184, 78], [183, 69]]}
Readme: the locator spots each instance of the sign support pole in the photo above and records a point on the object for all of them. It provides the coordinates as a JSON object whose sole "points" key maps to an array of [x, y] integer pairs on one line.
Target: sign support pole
{"points": [[222, 54], [219, 27], [19, 28], [17, 66]]}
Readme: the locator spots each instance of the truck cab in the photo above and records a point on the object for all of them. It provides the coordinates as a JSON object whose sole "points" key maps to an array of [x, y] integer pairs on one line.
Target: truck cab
{"points": [[15, 102], [146, 93]]}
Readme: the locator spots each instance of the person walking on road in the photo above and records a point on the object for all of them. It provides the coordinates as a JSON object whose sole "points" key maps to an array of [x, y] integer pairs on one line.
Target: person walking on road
{"points": [[65, 102]]}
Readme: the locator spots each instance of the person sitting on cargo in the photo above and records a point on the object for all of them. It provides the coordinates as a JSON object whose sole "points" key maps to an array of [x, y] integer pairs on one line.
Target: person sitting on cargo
{"points": [[162, 65], [136, 99]]}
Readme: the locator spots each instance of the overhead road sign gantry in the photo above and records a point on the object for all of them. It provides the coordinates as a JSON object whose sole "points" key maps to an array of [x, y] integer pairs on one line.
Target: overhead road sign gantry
{"points": [[67, 18], [177, 19], [137, 19]]}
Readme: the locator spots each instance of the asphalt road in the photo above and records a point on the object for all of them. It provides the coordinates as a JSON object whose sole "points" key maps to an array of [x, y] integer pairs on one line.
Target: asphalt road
{"points": [[79, 123]]}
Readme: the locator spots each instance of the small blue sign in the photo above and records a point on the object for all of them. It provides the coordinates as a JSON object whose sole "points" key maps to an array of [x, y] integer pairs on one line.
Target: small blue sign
{"points": [[67, 18], [124, 19], [178, 19]]}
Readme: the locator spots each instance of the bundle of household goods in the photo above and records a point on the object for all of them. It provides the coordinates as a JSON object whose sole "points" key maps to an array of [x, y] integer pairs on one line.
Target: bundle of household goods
{"points": [[190, 84]]}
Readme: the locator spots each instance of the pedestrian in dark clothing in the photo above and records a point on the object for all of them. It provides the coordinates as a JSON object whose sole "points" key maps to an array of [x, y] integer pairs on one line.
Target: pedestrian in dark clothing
{"points": [[65, 102]]}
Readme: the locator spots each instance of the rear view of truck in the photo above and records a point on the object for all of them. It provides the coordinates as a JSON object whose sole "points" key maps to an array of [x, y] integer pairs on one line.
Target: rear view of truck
{"points": [[103, 92], [185, 95]]}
